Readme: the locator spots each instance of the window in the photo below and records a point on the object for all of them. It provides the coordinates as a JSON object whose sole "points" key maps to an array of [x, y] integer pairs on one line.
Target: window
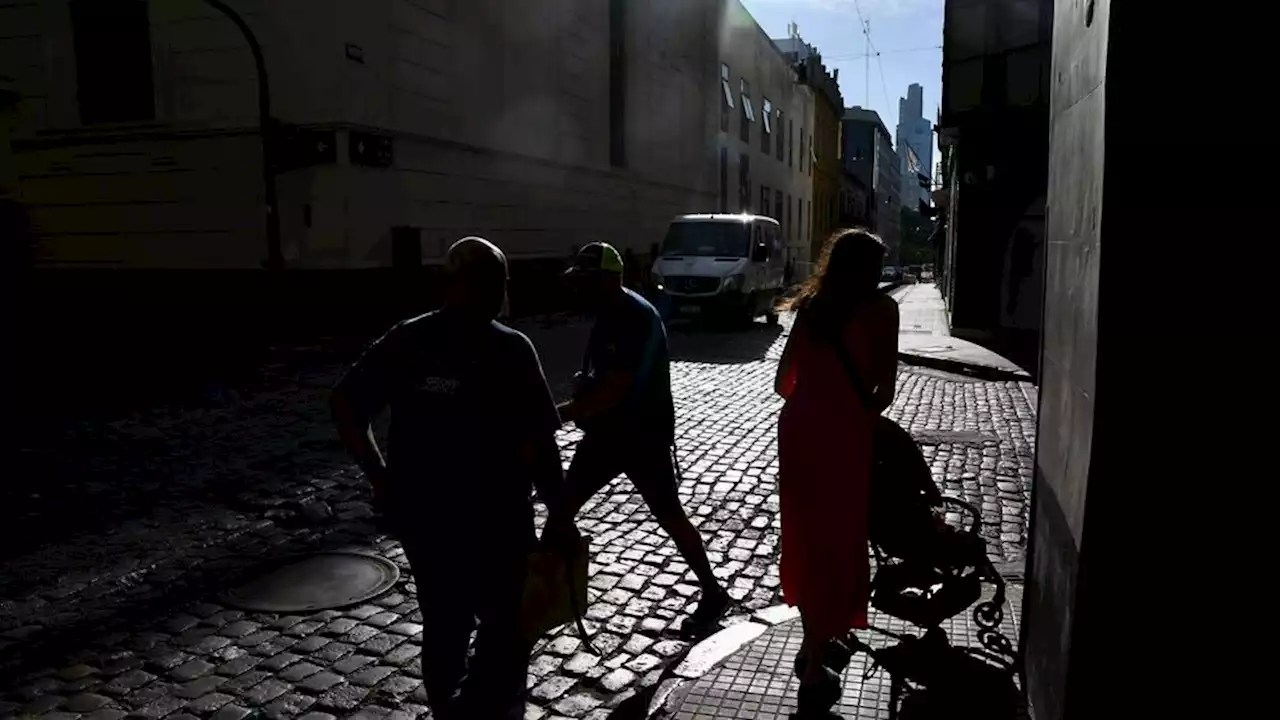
{"points": [[777, 205], [791, 143], [113, 61], [744, 183], [617, 83], [782, 128], [802, 165], [789, 215], [706, 239], [748, 112], [727, 105], [766, 124], [764, 201], [813, 158]]}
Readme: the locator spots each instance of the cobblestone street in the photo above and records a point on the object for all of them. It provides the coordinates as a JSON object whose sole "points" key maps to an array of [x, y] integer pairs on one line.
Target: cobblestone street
{"points": [[122, 620]]}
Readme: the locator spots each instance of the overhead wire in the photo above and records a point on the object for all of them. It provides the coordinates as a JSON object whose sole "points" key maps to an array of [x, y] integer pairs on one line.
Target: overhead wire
{"points": [[859, 56], [873, 50]]}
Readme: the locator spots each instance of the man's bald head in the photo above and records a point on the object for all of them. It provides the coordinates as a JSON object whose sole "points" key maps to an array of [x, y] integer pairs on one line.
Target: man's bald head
{"points": [[477, 272], [475, 255]]}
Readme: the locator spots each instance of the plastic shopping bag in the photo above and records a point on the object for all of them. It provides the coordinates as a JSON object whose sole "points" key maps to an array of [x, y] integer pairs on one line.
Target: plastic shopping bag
{"points": [[555, 590]]}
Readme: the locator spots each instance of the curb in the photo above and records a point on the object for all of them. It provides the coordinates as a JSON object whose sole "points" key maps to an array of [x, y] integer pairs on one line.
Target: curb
{"points": [[981, 372], [706, 655]]}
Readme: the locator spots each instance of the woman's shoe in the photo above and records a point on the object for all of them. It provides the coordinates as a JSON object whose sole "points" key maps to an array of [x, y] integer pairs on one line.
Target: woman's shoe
{"points": [[835, 656], [816, 699]]}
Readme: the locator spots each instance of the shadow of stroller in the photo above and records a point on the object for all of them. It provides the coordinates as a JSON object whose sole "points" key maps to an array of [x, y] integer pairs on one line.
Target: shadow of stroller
{"points": [[958, 685]]}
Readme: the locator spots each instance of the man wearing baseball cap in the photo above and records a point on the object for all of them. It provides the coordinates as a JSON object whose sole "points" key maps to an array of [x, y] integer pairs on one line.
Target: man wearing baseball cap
{"points": [[623, 405]]}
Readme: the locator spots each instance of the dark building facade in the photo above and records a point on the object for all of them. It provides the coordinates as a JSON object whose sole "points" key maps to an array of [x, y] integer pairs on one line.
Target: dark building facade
{"points": [[868, 155], [994, 135], [855, 202]]}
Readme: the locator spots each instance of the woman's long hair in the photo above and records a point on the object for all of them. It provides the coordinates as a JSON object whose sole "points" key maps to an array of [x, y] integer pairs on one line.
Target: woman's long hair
{"points": [[848, 272]]}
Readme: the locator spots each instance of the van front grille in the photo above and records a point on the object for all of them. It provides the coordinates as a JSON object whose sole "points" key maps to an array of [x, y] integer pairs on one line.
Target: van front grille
{"points": [[692, 284]]}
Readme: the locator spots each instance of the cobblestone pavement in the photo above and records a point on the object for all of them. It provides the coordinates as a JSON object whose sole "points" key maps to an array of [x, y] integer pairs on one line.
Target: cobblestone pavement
{"points": [[119, 620], [758, 681]]}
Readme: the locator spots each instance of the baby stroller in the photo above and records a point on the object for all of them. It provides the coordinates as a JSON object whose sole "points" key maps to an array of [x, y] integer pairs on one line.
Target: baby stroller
{"points": [[926, 573], [926, 570]]}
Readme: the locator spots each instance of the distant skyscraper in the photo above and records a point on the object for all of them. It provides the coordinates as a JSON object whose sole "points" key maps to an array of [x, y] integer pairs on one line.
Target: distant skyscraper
{"points": [[915, 146]]}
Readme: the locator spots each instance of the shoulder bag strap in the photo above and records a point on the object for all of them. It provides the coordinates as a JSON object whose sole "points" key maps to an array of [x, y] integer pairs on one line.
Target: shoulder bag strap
{"points": [[851, 370]]}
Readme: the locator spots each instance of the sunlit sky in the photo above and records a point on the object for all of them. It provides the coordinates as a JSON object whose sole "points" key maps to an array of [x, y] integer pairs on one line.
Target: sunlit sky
{"points": [[906, 33]]}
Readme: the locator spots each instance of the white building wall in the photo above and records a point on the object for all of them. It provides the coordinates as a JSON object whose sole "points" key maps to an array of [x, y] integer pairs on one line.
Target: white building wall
{"points": [[498, 112], [750, 54]]}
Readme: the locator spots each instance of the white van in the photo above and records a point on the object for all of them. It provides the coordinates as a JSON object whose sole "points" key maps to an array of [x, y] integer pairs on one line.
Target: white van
{"points": [[727, 266]]}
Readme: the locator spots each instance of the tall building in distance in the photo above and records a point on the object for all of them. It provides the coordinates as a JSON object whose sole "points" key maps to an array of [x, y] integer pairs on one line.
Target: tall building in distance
{"points": [[914, 143], [868, 155]]}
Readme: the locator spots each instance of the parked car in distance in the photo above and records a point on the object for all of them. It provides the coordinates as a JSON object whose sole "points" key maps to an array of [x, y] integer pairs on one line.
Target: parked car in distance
{"points": [[891, 274]]}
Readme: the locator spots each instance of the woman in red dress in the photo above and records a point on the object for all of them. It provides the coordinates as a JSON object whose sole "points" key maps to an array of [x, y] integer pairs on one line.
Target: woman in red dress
{"points": [[824, 442]]}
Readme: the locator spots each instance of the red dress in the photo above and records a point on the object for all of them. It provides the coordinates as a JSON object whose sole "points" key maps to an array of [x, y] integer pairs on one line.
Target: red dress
{"points": [[824, 455]]}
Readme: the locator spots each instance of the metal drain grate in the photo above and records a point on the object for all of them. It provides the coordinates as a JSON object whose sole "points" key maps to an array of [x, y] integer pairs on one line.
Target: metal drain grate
{"points": [[315, 582]]}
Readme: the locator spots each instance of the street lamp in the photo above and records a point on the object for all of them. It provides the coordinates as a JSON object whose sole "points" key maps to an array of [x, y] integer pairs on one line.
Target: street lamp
{"points": [[275, 256]]}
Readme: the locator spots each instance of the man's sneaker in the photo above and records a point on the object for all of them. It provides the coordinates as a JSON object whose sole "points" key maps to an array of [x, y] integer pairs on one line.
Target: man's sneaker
{"points": [[710, 609]]}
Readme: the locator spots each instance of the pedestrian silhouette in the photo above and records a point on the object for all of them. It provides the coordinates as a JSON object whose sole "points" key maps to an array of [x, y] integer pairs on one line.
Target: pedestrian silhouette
{"points": [[623, 404], [473, 428], [843, 325]]}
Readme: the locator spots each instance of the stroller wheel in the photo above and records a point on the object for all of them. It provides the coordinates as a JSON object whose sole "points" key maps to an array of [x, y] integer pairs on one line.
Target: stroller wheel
{"points": [[988, 615], [995, 642]]}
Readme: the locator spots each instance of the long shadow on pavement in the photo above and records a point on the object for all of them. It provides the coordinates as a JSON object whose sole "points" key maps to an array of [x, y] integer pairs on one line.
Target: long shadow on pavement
{"points": [[144, 605], [962, 686]]}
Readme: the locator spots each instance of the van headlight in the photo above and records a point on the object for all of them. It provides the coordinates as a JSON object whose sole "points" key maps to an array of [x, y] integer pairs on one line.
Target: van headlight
{"points": [[734, 282], [658, 281]]}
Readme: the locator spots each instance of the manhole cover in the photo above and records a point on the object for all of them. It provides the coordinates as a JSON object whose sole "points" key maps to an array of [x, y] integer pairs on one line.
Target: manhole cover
{"points": [[316, 582]]}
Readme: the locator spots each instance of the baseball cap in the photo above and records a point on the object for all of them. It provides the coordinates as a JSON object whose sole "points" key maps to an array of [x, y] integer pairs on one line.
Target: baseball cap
{"points": [[597, 256]]}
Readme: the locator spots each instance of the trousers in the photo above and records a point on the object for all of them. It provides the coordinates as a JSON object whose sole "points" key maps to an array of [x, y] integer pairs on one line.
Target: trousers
{"points": [[460, 588]]}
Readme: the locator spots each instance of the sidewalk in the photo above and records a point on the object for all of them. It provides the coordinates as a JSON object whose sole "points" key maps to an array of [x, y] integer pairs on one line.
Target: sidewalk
{"points": [[754, 677], [924, 337], [757, 680]]}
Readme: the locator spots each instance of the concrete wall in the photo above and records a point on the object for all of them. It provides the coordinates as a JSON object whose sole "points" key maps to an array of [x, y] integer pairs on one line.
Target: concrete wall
{"points": [[1069, 360], [181, 189], [499, 115]]}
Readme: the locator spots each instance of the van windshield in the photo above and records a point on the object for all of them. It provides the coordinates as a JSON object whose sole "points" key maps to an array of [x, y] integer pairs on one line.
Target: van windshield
{"points": [[723, 239]]}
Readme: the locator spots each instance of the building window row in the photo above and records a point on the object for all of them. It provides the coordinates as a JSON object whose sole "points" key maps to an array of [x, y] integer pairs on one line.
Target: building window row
{"points": [[775, 129]]}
